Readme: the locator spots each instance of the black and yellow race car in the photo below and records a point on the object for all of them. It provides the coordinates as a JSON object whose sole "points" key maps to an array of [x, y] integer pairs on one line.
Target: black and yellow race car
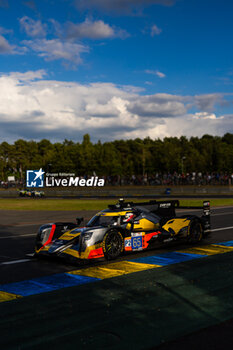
{"points": [[124, 227], [31, 193]]}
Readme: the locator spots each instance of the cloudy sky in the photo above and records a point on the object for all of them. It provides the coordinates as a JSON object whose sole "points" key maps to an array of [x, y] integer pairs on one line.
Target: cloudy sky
{"points": [[115, 69]]}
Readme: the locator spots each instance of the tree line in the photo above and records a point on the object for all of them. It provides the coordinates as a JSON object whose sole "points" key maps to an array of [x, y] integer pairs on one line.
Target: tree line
{"points": [[119, 157]]}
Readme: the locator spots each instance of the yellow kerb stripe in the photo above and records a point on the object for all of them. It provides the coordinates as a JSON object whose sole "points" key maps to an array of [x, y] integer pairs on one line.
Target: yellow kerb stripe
{"points": [[4, 296], [209, 249], [114, 269]]}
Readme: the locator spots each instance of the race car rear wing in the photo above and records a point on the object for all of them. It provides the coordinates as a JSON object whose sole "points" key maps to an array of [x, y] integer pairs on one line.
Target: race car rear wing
{"points": [[205, 207], [167, 210], [162, 208]]}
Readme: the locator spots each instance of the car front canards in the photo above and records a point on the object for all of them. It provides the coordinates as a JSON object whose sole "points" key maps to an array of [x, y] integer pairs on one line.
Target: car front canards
{"points": [[79, 243]]}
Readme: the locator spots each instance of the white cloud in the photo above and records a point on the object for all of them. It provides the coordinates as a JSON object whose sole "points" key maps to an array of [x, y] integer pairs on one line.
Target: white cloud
{"points": [[93, 30], [208, 102], [34, 108], [67, 46], [57, 49], [33, 28], [5, 31], [155, 30], [5, 47], [27, 76], [155, 72], [109, 109], [160, 74], [156, 107], [205, 115]]}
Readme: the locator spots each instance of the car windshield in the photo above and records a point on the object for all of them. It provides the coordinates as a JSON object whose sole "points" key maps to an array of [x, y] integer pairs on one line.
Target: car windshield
{"points": [[102, 220]]}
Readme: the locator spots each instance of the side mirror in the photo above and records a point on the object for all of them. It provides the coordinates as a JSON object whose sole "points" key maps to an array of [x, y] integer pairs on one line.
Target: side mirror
{"points": [[79, 220]]}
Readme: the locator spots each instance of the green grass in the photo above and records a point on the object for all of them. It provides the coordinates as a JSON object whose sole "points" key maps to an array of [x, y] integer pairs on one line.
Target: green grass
{"points": [[53, 204], [86, 204], [215, 202]]}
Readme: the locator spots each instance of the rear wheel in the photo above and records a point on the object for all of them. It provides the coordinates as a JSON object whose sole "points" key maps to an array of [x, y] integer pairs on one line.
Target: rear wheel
{"points": [[195, 232], [113, 244]]}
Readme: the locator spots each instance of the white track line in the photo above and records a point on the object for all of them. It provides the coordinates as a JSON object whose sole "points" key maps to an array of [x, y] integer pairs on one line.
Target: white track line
{"points": [[223, 207], [18, 236], [15, 262], [221, 229], [220, 214]]}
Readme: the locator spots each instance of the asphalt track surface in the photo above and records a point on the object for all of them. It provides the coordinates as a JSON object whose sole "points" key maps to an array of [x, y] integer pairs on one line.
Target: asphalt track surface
{"points": [[45, 319]]}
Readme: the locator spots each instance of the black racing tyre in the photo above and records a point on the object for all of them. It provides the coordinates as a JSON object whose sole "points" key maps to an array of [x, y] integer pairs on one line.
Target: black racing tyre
{"points": [[195, 232], [113, 244]]}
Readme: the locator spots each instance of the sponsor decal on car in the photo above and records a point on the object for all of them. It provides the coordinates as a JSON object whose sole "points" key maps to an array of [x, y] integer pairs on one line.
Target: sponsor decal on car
{"points": [[128, 242], [136, 241], [165, 205]]}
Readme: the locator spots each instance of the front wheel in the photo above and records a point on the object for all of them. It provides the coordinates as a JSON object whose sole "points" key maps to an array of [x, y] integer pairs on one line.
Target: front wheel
{"points": [[195, 232], [113, 244]]}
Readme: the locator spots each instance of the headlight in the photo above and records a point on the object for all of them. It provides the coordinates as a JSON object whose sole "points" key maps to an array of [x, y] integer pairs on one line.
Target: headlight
{"points": [[88, 236], [45, 234]]}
